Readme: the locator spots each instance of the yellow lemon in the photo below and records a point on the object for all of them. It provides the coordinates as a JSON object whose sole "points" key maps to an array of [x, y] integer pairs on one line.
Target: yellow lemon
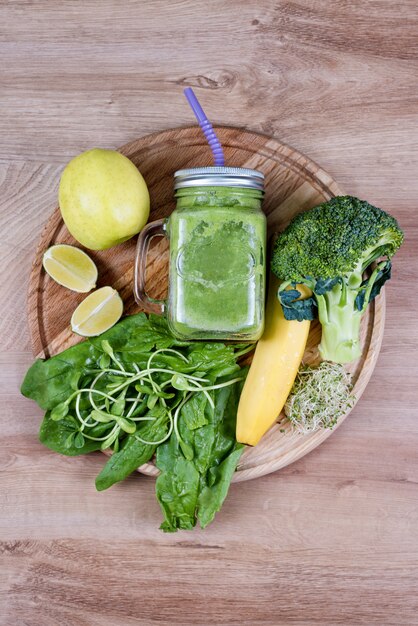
{"points": [[70, 267], [97, 313], [103, 198]]}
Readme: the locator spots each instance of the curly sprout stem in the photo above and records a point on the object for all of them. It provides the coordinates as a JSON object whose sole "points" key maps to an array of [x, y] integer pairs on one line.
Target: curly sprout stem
{"points": [[150, 379], [101, 438], [145, 374], [167, 436], [177, 414], [211, 387], [79, 417], [92, 388]]}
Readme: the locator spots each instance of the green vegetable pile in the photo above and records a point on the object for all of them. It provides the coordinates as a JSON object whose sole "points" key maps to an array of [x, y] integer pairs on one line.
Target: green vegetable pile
{"points": [[137, 390], [329, 248]]}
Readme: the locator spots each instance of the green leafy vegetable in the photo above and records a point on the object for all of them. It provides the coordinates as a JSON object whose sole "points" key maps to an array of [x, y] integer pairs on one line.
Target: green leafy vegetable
{"points": [[59, 436], [137, 390], [177, 487], [212, 496], [132, 455], [205, 457]]}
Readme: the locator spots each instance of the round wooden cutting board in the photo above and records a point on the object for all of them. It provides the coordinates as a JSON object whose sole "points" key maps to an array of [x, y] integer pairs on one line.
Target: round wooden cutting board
{"points": [[293, 184]]}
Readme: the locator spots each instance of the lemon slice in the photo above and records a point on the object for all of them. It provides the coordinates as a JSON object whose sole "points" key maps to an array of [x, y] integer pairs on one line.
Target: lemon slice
{"points": [[97, 313], [70, 267]]}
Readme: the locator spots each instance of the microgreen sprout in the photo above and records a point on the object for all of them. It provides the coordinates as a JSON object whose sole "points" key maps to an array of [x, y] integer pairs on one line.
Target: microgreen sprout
{"points": [[110, 401], [319, 397]]}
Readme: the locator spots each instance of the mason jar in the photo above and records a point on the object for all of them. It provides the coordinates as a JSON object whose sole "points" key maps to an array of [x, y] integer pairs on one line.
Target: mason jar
{"points": [[217, 241]]}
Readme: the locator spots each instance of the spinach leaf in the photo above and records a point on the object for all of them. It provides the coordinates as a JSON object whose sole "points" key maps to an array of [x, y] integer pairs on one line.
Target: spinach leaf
{"points": [[208, 357], [196, 486], [213, 442], [149, 332], [133, 453], [212, 497], [176, 487], [56, 436], [193, 412], [49, 382]]}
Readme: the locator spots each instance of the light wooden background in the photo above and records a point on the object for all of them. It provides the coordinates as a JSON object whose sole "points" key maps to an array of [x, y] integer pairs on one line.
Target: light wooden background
{"points": [[332, 539]]}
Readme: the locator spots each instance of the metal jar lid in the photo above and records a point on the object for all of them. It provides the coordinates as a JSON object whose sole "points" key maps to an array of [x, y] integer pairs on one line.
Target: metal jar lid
{"points": [[219, 177]]}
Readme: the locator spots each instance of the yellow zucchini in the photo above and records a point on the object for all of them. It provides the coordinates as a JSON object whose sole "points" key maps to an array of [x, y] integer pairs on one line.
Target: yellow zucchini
{"points": [[273, 370]]}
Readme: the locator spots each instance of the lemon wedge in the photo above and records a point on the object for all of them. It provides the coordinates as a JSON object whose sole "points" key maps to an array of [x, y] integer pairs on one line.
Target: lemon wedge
{"points": [[97, 313], [70, 267]]}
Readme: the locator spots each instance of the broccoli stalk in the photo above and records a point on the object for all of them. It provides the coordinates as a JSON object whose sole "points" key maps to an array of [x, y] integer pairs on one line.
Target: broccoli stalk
{"points": [[340, 320], [340, 311], [329, 249]]}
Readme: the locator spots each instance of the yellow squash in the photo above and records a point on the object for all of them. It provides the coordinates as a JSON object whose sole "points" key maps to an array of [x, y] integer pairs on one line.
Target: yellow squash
{"points": [[275, 364]]}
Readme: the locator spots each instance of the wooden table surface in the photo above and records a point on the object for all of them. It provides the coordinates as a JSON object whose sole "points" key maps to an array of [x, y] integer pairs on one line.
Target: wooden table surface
{"points": [[332, 539]]}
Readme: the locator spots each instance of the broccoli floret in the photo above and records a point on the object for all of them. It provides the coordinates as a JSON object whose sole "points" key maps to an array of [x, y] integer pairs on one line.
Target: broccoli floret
{"points": [[328, 249]]}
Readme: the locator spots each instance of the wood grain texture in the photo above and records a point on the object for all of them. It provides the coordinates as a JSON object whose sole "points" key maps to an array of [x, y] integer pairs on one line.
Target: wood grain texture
{"points": [[293, 183], [332, 538]]}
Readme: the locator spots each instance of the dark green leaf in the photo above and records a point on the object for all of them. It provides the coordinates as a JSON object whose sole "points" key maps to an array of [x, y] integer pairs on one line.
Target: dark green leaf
{"points": [[176, 487], [211, 497], [196, 472], [295, 309], [223, 370], [75, 379], [323, 285], [208, 357], [382, 276], [216, 440], [59, 436], [193, 411], [187, 450], [132, 454]]}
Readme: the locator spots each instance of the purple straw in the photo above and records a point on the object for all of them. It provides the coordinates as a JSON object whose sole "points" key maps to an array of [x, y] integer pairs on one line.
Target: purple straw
{"points": [[206, 126]]}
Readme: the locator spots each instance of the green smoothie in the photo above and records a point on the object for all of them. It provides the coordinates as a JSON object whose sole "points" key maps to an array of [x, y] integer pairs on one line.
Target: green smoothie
{"points": [[217, 264]]}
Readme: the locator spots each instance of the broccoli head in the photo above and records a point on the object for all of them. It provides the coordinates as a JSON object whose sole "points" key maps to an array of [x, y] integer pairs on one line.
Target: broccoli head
{"points": [[329, 249]]}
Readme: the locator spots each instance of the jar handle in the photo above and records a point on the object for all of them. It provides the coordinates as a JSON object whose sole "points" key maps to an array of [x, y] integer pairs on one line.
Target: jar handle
{"points": [[154, 229]]}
